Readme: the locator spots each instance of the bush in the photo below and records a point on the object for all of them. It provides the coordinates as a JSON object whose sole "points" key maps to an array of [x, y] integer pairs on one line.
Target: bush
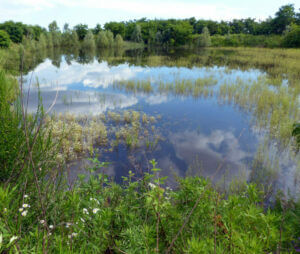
{"points": [[292, 37], [119, 41], [4, 39], [204, 39], [89, 41], [246, 40]]}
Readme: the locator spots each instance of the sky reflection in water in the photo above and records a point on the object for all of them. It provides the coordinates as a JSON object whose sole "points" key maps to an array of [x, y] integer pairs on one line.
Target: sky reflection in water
{"points": [[201, 136]]}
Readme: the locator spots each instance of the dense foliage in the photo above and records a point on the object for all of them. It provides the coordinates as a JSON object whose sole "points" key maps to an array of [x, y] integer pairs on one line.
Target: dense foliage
{"points": [[4, 39], [281, 30]]}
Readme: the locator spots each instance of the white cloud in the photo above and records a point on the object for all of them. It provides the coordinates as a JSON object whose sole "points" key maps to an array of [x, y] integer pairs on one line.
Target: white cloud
{"points": [[91, 75], [156, 99], [210, 155]]}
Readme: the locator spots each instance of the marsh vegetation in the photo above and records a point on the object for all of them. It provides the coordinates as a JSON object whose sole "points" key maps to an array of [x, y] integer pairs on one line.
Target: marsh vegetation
{"points": [[221, 124]]}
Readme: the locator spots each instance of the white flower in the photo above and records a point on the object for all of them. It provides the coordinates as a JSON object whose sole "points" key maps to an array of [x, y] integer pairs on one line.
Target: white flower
{"points": [[13, 238], [68, 224], [85, 211], [25, 196], [74, 234], [49, 234], [24, 213], [82, 220], [95, 210], [69, 236], [26, 205], [42, 221], [51, 226], [151, 185], [5, 210], [21, 210]]}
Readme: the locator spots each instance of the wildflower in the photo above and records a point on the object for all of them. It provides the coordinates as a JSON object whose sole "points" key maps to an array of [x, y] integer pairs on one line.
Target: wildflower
{"points": [[5, 210], [74, 234], [82, 220], [24, 213], [51, 226], [85, 211], [13, 238], [42, 221], [95, 210], [25, 196], [68, 224], [26, 205], [49, 234], [151, 185], [21, 210], [69, 236]]}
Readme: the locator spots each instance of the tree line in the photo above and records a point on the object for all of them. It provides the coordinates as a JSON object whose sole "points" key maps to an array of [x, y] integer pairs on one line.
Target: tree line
{"points": [[281, 30]]}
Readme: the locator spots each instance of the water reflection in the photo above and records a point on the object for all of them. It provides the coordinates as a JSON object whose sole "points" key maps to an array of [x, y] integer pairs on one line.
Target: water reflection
{"points": [[202, 135]]}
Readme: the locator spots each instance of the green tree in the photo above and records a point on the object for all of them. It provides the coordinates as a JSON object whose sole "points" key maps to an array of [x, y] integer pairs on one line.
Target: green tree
{"points": [[292, 37], [53, 27], [14, 30], [116, 28], [81, 31], [49, 40], [101, 40], [42, 41], [97, 29], [136, 35], [158, 38], [110, 38], [283, 18], [204, 39], [4, 39], [89, 41], [118, 41], [69, 37]]}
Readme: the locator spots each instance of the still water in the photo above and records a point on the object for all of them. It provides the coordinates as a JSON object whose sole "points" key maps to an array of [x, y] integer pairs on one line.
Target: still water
{"points": [[200, 135]]}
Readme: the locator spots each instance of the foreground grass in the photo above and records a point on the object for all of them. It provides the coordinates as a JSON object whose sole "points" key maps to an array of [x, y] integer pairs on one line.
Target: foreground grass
{"points": [[100, 216]]}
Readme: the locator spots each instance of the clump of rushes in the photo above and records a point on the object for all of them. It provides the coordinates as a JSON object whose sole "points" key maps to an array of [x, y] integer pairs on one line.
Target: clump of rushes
{"points": [[82, 135]]}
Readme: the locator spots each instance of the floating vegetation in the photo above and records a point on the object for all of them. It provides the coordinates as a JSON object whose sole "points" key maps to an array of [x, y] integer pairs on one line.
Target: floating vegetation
{"points": [[81, 135]]}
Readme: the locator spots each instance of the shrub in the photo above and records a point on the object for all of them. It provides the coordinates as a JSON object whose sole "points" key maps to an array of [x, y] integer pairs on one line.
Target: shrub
{"points": [[119, 41], [204, 39], [292, 37], [89, 41]]}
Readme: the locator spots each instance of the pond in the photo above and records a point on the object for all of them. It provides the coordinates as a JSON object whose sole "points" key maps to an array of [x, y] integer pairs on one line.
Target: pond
{"points": [[203, 118]]}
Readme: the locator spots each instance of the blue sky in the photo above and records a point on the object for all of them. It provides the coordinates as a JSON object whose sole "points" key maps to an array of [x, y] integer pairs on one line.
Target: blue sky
{"points": [[91, 12]]}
